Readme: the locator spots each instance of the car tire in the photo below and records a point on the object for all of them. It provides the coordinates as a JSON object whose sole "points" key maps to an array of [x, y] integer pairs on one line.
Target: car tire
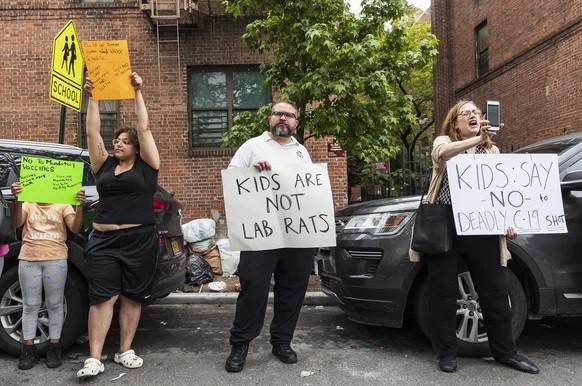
{"points": [[76, 307], [476, 344]]}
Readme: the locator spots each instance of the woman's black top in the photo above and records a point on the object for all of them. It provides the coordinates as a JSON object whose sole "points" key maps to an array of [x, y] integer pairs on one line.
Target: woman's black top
{"points": [[444, 195], [126, 198]]}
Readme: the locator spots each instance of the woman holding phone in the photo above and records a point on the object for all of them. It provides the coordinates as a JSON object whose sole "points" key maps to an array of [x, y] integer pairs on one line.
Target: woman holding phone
{"points": [[465, 131]]}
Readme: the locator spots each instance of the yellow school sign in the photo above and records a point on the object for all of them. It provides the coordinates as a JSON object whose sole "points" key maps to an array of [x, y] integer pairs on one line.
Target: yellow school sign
{"points": [[66, 85]]}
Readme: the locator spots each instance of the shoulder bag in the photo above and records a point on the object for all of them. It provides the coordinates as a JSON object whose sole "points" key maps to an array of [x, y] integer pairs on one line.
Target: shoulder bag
{"points": [[433, 231]]}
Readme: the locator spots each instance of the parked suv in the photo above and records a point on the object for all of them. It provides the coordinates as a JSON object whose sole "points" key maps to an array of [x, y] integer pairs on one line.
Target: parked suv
{"points": [[171, 258], [370, 276]]}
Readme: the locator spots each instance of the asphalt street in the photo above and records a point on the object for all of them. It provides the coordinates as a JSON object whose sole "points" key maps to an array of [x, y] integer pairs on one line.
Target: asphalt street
{"points": [[187, 345]]}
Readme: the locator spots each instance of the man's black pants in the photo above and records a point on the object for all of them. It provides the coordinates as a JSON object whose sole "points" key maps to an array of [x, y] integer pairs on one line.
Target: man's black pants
{"points": [[292, 267], [481, 255]]}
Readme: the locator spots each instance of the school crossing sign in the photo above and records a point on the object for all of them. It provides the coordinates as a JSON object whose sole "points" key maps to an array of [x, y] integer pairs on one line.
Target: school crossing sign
{"points": [[67, 68]]}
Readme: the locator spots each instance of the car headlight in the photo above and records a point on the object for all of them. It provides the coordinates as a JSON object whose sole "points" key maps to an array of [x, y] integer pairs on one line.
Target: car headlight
{"points": [[378, 223]]}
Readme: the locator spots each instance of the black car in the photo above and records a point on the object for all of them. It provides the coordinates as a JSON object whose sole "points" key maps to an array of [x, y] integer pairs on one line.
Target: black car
{"points": [[370, 276], [171, 255]]}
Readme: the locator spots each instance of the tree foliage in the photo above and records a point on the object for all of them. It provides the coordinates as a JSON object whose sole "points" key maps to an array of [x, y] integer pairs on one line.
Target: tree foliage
{"points": [[416, 83], [344, 71]]}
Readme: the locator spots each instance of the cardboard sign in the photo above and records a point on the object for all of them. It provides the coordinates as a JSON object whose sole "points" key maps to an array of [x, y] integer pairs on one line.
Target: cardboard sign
{"points": [[491, 192], [109, 69], [50, 181], [286, 207], [67, 68]]}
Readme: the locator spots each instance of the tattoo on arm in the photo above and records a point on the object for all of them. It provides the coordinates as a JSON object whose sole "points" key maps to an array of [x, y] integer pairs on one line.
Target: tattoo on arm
{"points": [[101, 150]]}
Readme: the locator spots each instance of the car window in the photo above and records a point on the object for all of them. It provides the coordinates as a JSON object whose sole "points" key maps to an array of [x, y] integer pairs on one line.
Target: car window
{"points": [[88, 176], [559, 146], [6, 167], [575, 166]]}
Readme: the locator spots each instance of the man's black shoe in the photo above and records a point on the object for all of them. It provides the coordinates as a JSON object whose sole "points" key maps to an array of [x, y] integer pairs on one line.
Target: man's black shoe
{"points": [[285, 353], [28, 357], [54, 355], [520, 362], [236, 359], [448, 365]]}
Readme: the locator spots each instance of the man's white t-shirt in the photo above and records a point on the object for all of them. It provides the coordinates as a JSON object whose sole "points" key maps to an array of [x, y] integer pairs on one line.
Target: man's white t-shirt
{"points": [[265, 148]]}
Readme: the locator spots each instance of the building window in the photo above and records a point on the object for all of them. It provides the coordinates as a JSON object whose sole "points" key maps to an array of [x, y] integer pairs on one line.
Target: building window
{"points": [[109, 122], [482, 49], [217, 95]]}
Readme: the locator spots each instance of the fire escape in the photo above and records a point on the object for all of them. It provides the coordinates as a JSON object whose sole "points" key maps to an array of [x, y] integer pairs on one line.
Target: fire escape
{"points": [[167, 16]]}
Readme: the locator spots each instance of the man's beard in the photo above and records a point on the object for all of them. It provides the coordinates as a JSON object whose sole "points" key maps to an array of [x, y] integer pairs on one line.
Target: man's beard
{"points": [[281, 130]]}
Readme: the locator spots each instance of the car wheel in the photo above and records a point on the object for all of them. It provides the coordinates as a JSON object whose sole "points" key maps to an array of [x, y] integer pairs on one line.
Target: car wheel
{"points": [[75, 307], [471, 333]]}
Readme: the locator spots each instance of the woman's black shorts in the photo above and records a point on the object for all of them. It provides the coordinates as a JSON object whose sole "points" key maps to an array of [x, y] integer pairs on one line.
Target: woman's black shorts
{"points": [[122, 262]]}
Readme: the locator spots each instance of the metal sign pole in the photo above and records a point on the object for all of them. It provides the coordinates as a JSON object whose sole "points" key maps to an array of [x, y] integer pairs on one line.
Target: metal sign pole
{"points": [[62, 124]]}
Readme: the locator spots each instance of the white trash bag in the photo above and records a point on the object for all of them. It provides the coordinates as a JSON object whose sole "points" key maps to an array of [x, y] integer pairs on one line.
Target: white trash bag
{"points": [[229, 259], [199, 231]]}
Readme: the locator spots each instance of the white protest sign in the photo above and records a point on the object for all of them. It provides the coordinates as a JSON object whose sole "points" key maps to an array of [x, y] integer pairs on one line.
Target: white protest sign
{"points": [[289, 206], [491, 192]]}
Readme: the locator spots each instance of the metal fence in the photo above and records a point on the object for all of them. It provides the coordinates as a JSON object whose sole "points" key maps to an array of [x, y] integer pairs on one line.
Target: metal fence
{"points": [[408, 178]]}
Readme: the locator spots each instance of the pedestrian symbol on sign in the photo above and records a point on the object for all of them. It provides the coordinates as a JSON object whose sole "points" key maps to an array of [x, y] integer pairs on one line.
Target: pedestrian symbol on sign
{"points": [[65, 52], [67, 68], [73, 52]]}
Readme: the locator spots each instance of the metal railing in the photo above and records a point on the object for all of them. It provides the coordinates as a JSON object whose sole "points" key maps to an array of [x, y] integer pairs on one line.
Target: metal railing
{"points": [[408, 178]]}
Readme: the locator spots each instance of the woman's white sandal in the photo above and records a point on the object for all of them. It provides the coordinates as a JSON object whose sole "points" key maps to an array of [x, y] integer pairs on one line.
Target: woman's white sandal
{"points": [[128, 359], [91, 368]]}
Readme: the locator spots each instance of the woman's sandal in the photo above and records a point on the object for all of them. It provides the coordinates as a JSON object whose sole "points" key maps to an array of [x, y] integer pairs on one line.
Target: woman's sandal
{"points": [[128, 359], [91, 368]]}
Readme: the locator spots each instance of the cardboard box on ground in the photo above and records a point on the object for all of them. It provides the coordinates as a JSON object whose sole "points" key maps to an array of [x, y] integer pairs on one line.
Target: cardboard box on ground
{"points": [[199, 236], [212, 256]]}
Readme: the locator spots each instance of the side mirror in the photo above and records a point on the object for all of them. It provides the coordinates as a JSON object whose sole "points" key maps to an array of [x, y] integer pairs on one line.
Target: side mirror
{"points": [[572, 181]]}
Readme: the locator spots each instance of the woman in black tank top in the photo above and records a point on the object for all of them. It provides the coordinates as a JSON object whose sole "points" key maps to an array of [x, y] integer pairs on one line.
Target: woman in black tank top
{"points": [[122, 249]]}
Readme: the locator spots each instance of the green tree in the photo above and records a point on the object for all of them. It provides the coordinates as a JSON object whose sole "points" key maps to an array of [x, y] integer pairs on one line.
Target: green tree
{"points": [[409, 166], [342, 70], [416, 82]]}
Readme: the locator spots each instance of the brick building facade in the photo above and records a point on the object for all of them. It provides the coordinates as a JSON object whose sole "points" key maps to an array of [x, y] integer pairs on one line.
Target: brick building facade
{"points": [[531, 56], [209, 40]]}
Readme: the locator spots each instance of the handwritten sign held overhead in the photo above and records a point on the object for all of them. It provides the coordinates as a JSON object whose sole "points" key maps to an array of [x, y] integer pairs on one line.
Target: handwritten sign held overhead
{"points": [[291, 207], [109, 68], [49, 180], [491, 192]]}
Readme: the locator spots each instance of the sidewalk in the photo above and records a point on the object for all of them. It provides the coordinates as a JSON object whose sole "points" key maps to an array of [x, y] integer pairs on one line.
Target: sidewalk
{"points": [[203, 295]]}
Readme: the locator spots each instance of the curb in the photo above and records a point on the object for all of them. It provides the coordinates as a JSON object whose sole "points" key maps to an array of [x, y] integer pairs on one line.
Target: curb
{"points": [[311, 298]]}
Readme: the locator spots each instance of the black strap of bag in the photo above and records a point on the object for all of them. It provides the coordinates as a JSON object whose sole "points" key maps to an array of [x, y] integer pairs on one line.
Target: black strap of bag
{"points": [[432, 231]]}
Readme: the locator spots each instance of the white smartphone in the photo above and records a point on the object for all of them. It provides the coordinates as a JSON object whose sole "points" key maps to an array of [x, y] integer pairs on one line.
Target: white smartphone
{"points": [[493, 115]]}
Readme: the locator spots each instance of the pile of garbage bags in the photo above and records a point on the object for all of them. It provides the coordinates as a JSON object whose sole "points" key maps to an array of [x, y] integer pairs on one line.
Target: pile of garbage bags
{"points": [[206, 256], [198, 271]]}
